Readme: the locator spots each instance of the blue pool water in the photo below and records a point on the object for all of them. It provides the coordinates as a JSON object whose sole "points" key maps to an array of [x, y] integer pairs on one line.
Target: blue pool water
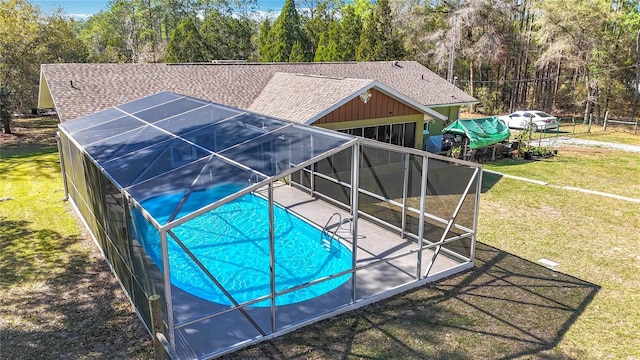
{"points": [[232, 242]]}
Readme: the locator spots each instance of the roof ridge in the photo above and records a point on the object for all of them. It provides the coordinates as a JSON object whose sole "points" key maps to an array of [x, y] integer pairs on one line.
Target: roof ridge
{"points": [[223, 63], [325, 76]]}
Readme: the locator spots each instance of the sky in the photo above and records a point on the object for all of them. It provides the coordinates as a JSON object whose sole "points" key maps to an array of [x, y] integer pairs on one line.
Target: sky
{"points": [[80, 8], [86, 8]]}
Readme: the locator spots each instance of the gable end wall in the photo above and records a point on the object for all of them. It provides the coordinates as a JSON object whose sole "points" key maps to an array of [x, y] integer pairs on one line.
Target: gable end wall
{"points": [[379, 106]]}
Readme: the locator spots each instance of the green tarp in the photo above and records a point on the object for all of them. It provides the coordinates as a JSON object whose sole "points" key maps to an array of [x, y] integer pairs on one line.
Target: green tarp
{"points": [[481, 132]]}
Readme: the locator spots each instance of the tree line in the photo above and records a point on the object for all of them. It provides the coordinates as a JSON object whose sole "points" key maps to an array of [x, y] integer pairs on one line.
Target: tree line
{"points": [[563, 56]]}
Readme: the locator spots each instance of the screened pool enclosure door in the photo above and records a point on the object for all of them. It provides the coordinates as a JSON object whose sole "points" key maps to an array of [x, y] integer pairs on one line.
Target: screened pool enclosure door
{"points": [[249, 226]]}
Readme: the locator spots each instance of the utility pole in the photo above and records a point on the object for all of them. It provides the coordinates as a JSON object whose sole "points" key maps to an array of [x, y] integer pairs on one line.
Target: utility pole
{"points": [[636, 88], [454, 83], [452, 48]]}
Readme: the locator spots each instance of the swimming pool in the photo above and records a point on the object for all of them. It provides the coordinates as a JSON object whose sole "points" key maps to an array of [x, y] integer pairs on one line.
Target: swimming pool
{"points": [[232, 242]]}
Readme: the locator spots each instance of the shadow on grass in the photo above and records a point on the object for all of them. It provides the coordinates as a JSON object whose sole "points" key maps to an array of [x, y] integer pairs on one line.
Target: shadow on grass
{"points": [[29, 137], [60, 300], [18, 151], [42, 122], [489, 180], [505, 308], [30, 253], [12, 165]]}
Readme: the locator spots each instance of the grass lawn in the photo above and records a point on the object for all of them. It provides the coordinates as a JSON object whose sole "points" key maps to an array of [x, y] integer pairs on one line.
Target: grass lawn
{"points": [[618, 133], [591, 168], [59, 300], [623, 134]]}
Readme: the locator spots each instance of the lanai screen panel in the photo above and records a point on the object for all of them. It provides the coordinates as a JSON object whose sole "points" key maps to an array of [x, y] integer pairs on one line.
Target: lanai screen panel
{"points": [[169, 144], [170, 147]]}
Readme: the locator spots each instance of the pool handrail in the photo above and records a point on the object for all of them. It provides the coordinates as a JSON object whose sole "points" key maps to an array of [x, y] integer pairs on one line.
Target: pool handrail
{"points": [[328, 242]]}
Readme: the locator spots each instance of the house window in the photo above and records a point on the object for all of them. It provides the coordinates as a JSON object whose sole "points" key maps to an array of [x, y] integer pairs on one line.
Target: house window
{"points": [[370, 132], [384, 133], [409, 135], [398, 134]]}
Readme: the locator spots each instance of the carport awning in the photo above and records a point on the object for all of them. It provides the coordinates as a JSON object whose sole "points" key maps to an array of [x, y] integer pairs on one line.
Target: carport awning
{"points": [[481, 132]]}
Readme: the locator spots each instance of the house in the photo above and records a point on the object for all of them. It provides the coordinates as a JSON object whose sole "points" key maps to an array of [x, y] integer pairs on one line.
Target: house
{"points": [[400, 102]]}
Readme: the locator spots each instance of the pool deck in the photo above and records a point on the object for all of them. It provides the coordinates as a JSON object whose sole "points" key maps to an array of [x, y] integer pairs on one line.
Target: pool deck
{"points": [[374, 244]]}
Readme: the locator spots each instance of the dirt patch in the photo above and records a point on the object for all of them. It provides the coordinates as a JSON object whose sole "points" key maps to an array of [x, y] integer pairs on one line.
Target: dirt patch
{"points": [[584, 150], [29, 135]]}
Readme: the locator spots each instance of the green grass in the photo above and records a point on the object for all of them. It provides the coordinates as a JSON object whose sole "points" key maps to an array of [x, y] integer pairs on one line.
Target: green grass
{"points": [[36, 211], [590, 168], [594, 238], [613, 136], [59, 300], [623, 134]]}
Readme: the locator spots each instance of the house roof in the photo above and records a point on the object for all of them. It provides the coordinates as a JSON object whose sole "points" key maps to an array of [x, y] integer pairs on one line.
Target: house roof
{"points": [[299, 97], [306, 98], [80, 89]]}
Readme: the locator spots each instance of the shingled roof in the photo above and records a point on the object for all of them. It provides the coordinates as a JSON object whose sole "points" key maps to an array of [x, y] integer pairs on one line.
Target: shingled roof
{"points": [[306, 98], [80, 89]]}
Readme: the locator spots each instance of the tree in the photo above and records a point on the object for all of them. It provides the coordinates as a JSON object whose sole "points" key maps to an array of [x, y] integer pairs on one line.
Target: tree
{"points": [[378, 40], [636, 90], [316, 20], [265, 51], [408, 21], [342, 37], [574, 32], [173, 13], [185, 44], [109, 35], [297, 53], [350, 30], [329, 44], [227, 36], [285, 32], [28, 40], [389, 45], [20, 50], [5, 114], [60, 38], [136, 30], [146, 37], [368, 40]]}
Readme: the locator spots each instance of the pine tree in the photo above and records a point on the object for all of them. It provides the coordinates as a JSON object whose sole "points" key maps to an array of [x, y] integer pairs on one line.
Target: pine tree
{"points": [[368, 41], [185, 44], [297, 53], [265, 53], [378, 41], [285, 32], [341, 39], [227, 36], [389, 45], [350, 30], [329, 43]]}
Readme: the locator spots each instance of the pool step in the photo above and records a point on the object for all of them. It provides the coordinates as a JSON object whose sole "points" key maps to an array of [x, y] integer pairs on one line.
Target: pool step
{"points": [[327, 244]]}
